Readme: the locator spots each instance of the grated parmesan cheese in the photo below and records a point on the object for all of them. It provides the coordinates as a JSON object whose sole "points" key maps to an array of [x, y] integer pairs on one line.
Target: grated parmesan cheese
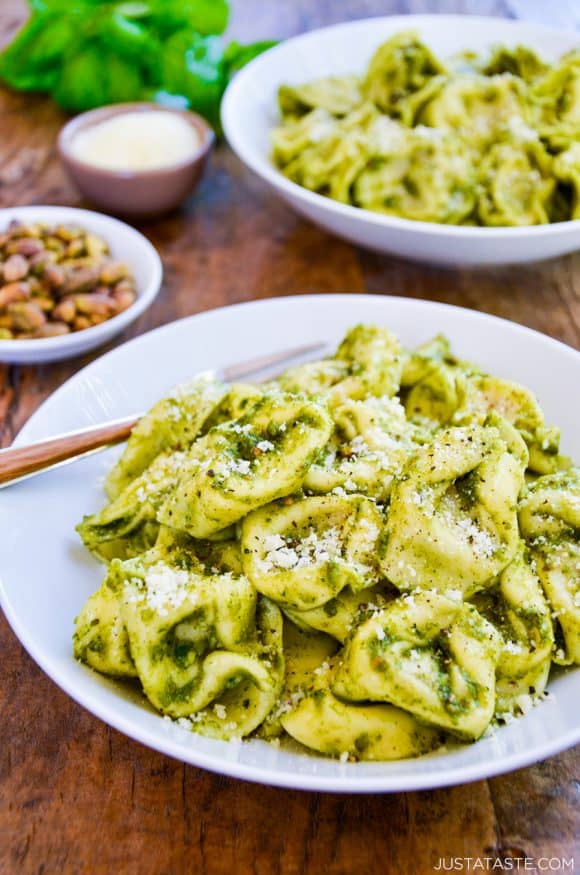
{"points": [[162, 589], [454, 594], [480, 540], [312, 549]]}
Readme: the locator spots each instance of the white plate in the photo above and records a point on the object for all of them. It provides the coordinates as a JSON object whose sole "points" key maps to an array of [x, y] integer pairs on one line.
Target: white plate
{"points": [[249, 112], [126, 245], [47, 575]]}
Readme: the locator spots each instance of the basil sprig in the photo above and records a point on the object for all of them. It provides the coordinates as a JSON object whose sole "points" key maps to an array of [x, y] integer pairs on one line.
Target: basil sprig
{"points": [[88, 53]]}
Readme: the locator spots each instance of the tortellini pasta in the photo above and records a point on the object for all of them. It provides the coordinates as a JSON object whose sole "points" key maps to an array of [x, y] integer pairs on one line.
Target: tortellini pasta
{"points": [[172, 424], [303, 553], [519, 61], [472, 141], [100, 637], [444, 391], [368, 362], [371, 443], [567, 170], [200, 642], [518, 185], [201, 645], [328, 154], [479, 108], [519, 611], [364, 556], [452, 521], [339, 616], [398, 70], [430, 655], [243, 464], [338, 95], [550, 521], [555, 100], [375, 362], [418, 362], [333, 726], [128, 525], [429, 178]]}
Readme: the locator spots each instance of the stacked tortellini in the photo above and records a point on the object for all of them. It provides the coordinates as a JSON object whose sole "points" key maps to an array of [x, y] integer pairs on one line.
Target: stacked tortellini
{"points": [[476, 141], [369, 554]]}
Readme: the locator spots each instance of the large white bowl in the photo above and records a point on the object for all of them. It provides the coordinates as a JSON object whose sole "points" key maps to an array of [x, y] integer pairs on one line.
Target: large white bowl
{"points": [[126, 245], [46, 575], [249, 111]]}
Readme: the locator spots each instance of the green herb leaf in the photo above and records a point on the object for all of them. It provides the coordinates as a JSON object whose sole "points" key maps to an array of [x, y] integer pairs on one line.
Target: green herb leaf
{"points": [[127, 36], [91, 52], [193, 67], [134, 9], [131, 40], [125, 82], [202, 16], [237, 56], [81, 84], [31, 61], [208, 16]]}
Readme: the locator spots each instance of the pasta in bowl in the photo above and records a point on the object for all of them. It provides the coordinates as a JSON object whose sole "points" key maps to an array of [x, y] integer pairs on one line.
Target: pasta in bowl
{"points": [[477, 141], [346, 556], [447, 139]]}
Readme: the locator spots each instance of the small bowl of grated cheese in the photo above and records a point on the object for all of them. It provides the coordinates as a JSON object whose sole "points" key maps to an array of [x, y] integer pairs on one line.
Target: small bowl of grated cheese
{"points": [[136, 159]]}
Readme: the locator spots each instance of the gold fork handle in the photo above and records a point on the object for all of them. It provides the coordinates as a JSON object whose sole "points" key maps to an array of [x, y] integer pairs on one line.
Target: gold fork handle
{"points": [[21, 462], [18, 464]]}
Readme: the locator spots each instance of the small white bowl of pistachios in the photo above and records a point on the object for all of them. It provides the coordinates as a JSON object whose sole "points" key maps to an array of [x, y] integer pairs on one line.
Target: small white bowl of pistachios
{"points": [[70, 280]]}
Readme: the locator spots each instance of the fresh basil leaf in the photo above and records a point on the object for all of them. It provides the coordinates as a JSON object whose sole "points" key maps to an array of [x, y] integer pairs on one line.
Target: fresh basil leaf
{"points": [[81, 84], [91, 52], [237, 56], [31, 62], [130, 39], [134, 10], [193, 67], [124, 80], [206, 17]]}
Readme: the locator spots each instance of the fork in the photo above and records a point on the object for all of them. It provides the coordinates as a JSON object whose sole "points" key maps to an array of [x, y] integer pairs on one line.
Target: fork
{"points": [[20, 463]]}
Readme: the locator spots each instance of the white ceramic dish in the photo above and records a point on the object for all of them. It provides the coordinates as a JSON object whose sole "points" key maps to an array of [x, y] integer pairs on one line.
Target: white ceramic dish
{"points": [[249, 111], [126, 244], [46, 574]]}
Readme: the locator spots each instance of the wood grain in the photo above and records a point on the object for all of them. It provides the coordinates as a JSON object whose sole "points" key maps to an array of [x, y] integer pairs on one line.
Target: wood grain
{"points": [[78, 797]]}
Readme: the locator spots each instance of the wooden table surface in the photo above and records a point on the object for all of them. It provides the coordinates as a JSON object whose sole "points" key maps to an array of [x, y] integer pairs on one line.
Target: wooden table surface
{"points": [[78, 797]]}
